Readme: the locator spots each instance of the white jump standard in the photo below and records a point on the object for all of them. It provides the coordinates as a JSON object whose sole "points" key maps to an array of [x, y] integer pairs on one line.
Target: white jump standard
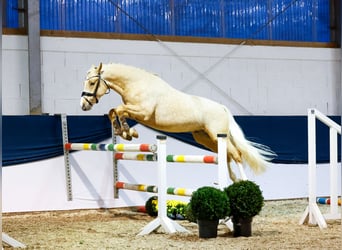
{"points": [[312, 213], [162, 220]]}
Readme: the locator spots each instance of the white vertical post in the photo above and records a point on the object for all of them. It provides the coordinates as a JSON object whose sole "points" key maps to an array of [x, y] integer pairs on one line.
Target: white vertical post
{"points": [[333, 172], [222, 161], [222, 172], [312, 213], [312, 161], [162, 187], [168, 225]]}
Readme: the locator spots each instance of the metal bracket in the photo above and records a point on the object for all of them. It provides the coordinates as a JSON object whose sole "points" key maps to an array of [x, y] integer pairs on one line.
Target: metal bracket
{"points": [[115, 166]]}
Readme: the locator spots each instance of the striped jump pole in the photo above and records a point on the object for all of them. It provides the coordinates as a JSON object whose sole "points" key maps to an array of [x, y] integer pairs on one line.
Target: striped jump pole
{"points": [[192, 158], [135, 157], [112, 147], [153, 189], [323, 200], [220, 160]]}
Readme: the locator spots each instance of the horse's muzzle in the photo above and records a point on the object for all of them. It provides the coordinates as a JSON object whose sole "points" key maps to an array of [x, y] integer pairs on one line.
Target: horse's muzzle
{"points": [[85, 104]]}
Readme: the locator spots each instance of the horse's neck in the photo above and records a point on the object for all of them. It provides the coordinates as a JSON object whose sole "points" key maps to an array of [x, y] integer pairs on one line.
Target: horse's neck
{"points": [[120, 76], [123, 78]]}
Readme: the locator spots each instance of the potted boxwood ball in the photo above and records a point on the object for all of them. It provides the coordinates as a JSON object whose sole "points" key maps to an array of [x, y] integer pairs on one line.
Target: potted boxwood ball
{"points": [[246, 201], [208, 205], [189, 215]]}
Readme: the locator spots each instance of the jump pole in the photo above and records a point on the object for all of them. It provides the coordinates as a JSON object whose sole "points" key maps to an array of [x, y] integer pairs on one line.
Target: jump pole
{"points": [[153, 188], [325, 200], [162, 220], [112, 147]]}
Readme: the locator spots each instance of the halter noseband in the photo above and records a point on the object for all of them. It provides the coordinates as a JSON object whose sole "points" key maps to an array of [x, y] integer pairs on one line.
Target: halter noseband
{"points": [[99, 78]]}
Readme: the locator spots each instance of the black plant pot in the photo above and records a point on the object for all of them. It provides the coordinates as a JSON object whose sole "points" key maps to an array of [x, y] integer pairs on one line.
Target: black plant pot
{"points": [[242, 227], [207, 228]]}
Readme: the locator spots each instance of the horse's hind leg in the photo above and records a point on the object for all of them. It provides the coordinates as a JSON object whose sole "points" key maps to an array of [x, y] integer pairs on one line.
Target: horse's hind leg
{"points": [[231, 173]]}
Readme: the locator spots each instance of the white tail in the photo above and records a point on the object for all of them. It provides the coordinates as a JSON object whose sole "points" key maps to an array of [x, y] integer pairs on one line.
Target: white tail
{"points": [[254, 154]]}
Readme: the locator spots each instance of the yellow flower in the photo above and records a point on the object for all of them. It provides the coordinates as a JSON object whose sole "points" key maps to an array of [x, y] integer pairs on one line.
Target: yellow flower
{"points": [[173, 207]]}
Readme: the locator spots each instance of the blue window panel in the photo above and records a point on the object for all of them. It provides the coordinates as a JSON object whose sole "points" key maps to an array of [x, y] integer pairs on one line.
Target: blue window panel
{"points": [[198, 18], [145, 17], [246, 19], [303, 21], [288, 20], [12, 15]]}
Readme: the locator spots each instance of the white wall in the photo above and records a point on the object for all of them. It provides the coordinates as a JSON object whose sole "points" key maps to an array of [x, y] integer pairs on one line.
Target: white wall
{"points": [[15, 87], [247, 79]]}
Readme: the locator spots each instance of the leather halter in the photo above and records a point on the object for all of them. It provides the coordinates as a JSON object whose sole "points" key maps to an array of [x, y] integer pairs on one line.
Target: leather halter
{"points": [[94, 94]]}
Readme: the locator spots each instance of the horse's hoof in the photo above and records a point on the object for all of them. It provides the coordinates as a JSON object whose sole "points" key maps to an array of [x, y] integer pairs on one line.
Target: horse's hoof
{"points": [[111, 115], [126, 136], [133, 133]]}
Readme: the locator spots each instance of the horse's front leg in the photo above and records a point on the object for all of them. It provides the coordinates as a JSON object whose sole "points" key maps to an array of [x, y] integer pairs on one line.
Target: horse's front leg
{"points": [[114, 121], [127, 132], [121, 127]]}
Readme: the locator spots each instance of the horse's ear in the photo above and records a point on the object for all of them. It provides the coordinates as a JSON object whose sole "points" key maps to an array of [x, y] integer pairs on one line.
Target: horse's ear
{"points": [[99, 68]]}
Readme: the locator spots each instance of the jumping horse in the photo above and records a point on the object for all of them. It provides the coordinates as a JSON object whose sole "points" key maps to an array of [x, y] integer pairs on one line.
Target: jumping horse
{"points": [[149, 100]]}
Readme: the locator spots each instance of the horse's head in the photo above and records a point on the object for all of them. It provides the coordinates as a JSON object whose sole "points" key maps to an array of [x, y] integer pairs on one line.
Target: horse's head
{"points": [[94, 88]]}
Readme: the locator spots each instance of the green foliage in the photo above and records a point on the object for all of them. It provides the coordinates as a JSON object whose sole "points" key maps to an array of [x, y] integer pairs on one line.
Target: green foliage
{"points": [[246, 199], [209, 203], [151, 206], [188, 213]]}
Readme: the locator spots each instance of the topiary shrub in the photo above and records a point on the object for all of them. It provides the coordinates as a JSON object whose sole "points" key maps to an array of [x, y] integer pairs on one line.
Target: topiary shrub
{"points": [[246, 199], [209, 203]]}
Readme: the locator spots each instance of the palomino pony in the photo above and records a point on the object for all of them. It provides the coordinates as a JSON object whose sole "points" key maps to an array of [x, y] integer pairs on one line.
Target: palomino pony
{"points": [[149, 100]]}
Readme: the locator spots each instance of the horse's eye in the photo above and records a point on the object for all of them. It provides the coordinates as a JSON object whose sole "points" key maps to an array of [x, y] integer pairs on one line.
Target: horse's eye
{"points": [[92, 83]]}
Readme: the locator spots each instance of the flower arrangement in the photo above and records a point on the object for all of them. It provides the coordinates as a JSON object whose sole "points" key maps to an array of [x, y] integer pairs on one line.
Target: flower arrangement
{"points": [[175, 209]]}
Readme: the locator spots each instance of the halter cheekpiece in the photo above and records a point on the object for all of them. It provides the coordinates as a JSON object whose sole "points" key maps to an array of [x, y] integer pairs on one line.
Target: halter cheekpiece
{"points": [[99, 78]]}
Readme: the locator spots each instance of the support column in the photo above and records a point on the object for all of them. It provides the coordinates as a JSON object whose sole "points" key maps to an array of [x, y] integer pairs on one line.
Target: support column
{"points": [[33, 27], [1, 15], [340, 39]]}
